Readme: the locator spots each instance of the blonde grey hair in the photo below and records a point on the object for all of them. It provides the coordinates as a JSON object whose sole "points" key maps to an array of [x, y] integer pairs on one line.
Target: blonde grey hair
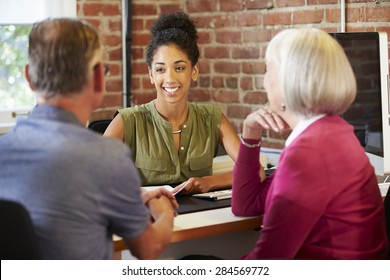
{"points": [[314, 72], [61, 53]]}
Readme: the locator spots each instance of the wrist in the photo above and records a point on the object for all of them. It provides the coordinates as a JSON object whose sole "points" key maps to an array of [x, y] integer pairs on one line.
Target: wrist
{"points": [[251, 133], [251, 143]]}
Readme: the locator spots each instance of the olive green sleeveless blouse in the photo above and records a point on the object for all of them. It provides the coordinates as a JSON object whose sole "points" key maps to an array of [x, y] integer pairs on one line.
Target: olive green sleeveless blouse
{"points": [[151, 141]]}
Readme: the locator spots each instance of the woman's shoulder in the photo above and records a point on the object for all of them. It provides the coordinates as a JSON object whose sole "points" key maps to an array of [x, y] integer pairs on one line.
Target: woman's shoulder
{"points": [[141, 109]]}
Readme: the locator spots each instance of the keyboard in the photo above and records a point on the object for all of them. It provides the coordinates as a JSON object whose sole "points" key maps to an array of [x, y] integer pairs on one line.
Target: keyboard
{"points": [[215, 195]]}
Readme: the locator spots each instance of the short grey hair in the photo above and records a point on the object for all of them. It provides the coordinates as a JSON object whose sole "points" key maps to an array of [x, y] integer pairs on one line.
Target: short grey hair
{"points": [[60, 55], [315, 74]]}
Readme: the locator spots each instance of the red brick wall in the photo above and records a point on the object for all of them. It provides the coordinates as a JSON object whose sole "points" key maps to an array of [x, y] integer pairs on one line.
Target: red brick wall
{"points": [[106, 15], [233, 37]]}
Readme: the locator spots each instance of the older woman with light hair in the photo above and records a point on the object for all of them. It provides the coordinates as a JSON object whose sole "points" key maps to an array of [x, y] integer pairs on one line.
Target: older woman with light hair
{"points": [[323, 200]]}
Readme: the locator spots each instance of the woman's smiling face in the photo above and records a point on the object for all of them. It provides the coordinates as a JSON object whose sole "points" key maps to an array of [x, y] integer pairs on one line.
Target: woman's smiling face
{"points": [[172, 73]]}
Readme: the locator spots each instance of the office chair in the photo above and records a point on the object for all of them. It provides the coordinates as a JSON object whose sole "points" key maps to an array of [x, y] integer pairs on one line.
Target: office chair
{"points": [[99, 125], [17, 236], [387, 215]]}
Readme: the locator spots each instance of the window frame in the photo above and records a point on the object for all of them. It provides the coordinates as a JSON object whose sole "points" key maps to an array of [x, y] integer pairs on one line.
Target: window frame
{"points": [[31, 12]]}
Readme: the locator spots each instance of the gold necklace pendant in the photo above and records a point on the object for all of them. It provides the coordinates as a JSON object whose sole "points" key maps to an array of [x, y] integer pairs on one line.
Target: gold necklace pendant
{"points": [[176, 131]]}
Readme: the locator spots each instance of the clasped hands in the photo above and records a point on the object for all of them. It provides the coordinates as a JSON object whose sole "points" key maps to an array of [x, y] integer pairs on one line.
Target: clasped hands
{"points": [[164, 198]]}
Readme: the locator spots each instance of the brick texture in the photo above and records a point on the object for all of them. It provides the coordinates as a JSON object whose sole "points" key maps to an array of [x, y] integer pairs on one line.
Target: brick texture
{"points": [[233, 36]]}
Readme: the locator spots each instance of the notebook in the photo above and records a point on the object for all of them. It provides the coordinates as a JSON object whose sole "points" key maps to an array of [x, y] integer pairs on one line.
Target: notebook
{"points": [[189, 204]]}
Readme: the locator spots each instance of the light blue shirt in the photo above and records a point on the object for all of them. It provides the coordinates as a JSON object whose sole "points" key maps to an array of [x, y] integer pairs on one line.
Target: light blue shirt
{"points": [[79, 187]]}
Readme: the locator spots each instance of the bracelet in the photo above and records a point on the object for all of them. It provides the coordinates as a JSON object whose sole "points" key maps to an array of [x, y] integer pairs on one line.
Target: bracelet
{"points": [[250, 145]]}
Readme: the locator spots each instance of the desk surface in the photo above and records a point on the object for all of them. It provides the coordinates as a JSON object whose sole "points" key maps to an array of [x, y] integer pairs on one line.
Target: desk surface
{"points": [[203, 224], [189, 204], [210, 223]]}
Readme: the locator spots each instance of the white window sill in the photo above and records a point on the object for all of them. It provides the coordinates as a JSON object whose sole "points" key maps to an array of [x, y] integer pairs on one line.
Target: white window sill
{"points": [[8, 118], [5, 127]]}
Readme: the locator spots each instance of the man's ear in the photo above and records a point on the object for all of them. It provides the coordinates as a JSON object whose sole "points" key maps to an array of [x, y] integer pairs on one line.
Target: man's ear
{"points": [[98, 78], [98, 85], [28, 78]]}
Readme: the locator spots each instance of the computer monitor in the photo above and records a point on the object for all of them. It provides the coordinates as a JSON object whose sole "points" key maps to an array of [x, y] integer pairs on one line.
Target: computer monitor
{"points": [[370, 112]]}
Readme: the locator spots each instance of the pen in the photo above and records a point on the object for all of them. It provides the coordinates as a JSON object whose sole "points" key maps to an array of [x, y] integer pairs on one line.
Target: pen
{"points": [[179, 190]]}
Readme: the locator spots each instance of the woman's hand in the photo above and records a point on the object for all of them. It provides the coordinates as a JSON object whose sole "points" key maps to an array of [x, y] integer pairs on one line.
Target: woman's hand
{"points": [[193, 185], [259, 120]]}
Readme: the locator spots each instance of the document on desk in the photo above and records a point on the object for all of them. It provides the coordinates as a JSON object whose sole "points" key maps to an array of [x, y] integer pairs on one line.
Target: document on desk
{"points": [[181, 188], [167, 187], [152, 188]]}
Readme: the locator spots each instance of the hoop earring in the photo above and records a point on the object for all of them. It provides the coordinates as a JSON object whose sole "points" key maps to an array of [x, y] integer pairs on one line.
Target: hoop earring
{"points": [[282, 107]]}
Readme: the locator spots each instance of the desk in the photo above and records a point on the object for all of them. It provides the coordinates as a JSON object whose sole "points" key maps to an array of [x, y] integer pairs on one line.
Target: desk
{"points": [[199, 225], [204, 232]]}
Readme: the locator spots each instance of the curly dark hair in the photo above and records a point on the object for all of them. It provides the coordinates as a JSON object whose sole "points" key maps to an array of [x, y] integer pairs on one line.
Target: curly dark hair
{"points": [[174, 28]]}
